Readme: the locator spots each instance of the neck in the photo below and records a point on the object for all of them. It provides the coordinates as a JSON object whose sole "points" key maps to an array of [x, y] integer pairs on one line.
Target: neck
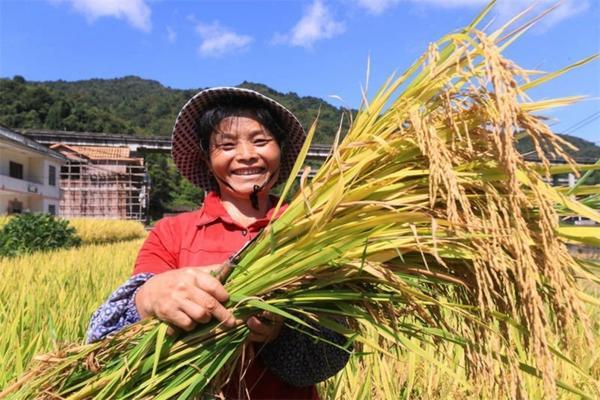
{"points": [[241, 210]]}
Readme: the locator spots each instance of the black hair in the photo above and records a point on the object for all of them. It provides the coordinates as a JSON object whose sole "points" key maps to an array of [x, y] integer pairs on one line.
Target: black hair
{"points": [[210, 119]]}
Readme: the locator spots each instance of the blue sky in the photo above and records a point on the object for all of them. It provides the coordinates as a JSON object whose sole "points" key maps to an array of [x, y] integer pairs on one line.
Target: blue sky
{"points": [[311, 47]]}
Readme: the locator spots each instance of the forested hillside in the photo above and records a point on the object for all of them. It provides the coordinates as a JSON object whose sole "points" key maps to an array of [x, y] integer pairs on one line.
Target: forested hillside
{"points": [[132, 105], [128, 105]]}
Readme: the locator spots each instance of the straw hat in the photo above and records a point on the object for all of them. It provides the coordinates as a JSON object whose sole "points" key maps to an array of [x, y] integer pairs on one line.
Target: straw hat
{"points": [[189, 156]]}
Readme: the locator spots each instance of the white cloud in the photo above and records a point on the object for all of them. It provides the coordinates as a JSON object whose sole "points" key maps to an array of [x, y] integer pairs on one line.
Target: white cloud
{"points": [[454, 3], [377, 6], [136, 12], [171, 35], [316, 24], [503, 11], [566, 9], [218, 40]]}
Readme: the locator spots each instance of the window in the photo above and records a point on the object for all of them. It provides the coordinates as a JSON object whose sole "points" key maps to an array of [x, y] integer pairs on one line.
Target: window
{"points": [[70, 172], [51, 175], [15, 207], [51, 209], [15, 170]]}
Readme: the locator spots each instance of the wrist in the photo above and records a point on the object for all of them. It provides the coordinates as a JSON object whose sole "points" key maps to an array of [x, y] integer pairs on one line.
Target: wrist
{"points": [[142, 302]]}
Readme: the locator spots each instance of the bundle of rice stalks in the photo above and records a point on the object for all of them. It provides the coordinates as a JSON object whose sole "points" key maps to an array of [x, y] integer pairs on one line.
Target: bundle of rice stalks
{"points": [[425, 225]]}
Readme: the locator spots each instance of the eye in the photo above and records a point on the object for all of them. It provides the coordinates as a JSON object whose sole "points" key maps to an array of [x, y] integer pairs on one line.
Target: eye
{"points": [[261, 141], [227, 145]]}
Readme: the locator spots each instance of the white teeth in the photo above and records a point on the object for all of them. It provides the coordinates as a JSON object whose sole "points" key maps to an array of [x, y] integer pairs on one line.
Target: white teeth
{"points": [[249, 171]]}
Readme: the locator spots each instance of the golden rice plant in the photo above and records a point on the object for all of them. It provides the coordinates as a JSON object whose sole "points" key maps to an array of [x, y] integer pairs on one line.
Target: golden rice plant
{"points": [[425, 227], [95, 230], [46, 299], [4, 220], [434, 373]]}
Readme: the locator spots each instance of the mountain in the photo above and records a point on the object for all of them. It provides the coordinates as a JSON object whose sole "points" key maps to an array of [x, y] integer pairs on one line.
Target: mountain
{"points": [[128, 105], [136, 106], [586, 151]]}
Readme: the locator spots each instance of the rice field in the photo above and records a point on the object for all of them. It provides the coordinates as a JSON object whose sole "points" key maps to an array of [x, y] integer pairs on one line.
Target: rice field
{"points": [[96, 231], [47, 300]]}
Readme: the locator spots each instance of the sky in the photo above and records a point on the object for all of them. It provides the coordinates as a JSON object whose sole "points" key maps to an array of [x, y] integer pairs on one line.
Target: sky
{"points": [[315, 48]]}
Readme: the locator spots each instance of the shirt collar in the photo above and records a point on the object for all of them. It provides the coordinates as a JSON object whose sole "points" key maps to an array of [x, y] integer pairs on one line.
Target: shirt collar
{"points": [[213, 210]]}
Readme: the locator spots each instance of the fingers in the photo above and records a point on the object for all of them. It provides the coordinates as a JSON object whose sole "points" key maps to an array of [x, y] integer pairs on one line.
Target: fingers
{"points": [[258, 330], [191, 314], [184, 298], [179, 319], [211, 285], [264, 328], [201, 307], [269, 317], [195, 312], [223, 272], [171, 330]]}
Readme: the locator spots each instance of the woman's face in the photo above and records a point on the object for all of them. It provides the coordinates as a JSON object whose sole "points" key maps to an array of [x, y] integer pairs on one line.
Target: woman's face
{"points": [[243, 153]]}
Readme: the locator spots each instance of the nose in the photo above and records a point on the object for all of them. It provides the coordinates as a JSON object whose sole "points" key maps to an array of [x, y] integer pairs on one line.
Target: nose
{"points": [[246, 150]]}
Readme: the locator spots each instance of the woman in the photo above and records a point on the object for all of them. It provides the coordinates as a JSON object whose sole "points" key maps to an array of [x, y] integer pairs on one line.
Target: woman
{"points": [[236, 144]]}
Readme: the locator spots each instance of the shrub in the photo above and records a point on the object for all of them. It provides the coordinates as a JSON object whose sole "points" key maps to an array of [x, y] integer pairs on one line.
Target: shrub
{"points": [[28, 233]]}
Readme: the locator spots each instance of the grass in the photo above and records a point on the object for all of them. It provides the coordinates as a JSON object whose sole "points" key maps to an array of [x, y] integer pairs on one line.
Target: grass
{"points": [[96, 231], [47, 299]]}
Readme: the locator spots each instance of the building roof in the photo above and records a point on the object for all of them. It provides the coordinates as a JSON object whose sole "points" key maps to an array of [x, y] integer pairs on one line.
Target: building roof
{"points": [[104, 153], [19, 140], [95, 153]]}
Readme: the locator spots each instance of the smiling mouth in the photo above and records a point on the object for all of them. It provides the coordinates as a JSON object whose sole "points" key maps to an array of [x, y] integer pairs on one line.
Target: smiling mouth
{"points": [[249, 171]]}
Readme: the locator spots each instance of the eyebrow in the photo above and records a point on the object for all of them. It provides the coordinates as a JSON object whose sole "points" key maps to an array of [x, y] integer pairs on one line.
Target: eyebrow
{"points": [[225, 135], [229, 135]]}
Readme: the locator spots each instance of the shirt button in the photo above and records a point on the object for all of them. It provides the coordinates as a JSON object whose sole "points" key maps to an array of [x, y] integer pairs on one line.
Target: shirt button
{"points": [[244, 232]]}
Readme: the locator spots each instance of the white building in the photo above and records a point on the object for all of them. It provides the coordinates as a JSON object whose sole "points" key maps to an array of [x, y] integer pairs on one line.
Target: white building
{"points": [[29, 175]]}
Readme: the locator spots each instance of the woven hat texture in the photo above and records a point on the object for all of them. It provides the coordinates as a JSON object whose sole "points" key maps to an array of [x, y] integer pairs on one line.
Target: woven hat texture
{"points": [[189, 157]]}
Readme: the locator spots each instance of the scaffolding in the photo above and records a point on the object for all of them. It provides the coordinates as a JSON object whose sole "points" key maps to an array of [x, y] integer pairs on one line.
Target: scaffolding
{"points": [[102, 182]]}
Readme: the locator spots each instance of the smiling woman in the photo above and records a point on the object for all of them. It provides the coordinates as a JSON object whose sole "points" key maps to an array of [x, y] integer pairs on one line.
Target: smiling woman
{"points": [[228, 141], [244, 159]]}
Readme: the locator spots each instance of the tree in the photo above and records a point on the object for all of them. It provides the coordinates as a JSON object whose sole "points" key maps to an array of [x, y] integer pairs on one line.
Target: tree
{"points": [[164, 181], [57, 113], [188, 196]]}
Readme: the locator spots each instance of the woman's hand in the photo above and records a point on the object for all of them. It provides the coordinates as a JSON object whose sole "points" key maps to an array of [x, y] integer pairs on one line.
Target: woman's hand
{"points": [[185, 298], [264, 327]]}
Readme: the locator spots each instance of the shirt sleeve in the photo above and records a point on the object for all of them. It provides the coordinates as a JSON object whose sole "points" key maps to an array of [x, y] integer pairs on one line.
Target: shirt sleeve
{"points": [[303, 360], [160, 251], [118, 311]]}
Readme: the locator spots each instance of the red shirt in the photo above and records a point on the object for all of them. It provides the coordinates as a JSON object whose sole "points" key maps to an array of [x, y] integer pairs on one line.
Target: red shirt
{"points": [[205, 237]]}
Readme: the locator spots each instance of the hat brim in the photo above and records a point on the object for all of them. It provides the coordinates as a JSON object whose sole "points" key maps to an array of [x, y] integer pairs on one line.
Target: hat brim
{"points": [[186, 150]]}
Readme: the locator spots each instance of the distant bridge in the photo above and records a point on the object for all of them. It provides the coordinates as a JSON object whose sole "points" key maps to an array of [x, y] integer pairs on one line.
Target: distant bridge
{"points": [[140, 144], [136, 144]]}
